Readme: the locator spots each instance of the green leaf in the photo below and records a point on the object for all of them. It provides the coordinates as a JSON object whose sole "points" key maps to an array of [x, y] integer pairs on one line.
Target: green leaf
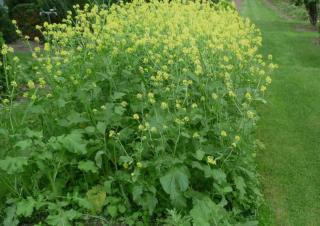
{"points": [[206, 213], [137, 191], [97, 197], [101, 127], [83, 203], [64, 218], [149, 202], [175, 182], [73, 143], [122, 208], [25, 207], [117, 95], [119, 110], [240, 185], [24, 144], [112, 210], [13, 165], [108, 186], [125, 159], [219, 175], [98, 158], [3, 132], [76, 118], [34, 134], [199, 154], [88, 166], [11, 217]]}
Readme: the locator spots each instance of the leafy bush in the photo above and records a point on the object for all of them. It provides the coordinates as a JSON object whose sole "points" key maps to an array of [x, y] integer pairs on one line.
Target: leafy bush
{"points": [[141, 114], [27, 17], [6, 27]]}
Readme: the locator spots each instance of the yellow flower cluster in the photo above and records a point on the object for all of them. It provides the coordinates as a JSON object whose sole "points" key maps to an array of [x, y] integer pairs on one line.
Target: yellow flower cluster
{"points": [[190, 59]]}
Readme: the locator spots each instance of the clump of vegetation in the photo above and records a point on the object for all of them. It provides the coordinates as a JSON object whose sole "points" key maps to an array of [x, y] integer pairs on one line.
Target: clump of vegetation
{"points": [[141, 114], [312, 8], [6, 27]]}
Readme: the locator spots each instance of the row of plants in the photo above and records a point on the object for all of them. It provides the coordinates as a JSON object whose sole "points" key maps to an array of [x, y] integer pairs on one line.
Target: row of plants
{"points": [[138, 114]]}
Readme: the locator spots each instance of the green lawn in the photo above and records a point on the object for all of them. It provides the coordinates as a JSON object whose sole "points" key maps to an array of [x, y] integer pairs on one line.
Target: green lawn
{"points": [[290, 124]]}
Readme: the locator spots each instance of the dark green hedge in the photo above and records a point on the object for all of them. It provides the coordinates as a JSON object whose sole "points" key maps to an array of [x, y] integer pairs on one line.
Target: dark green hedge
{"points": [[6, 27]]}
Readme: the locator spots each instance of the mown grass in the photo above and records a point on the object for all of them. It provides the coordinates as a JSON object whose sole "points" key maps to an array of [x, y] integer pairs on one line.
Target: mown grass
{"points": [[290, 124]]}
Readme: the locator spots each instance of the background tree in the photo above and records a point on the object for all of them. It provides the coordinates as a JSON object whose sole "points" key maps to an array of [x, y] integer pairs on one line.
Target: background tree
{"points": [[312, 9]]}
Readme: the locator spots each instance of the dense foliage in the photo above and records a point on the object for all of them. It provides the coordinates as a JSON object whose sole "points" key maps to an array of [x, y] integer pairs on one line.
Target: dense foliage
{"points": [[140, 114], [312, 9], [6, 27]]}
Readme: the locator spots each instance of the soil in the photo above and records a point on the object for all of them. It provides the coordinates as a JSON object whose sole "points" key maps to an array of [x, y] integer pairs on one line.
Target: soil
{"points": [[21, 46], [238, 4]]}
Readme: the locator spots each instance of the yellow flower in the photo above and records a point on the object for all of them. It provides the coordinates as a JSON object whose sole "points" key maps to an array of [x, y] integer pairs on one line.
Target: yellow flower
{"points": [[248, 96], [37, 49], [136, 116], [5, 101], [33, 97], [141, 127], [232, 94], [223, 133], [16, 59], [139, 165], [211, 160], [268, 80], [250, 114], [164, 105], [196, 135], [112, 133], [214, 96], [124, 103], [14, 84], [125, 165], [237, 138], [263, 88], [31, 84], [139, 96]]}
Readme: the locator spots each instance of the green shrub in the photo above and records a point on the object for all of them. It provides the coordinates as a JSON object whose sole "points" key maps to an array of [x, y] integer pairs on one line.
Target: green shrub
{"points": [[6, 27], [141, 114], [27, 17]]}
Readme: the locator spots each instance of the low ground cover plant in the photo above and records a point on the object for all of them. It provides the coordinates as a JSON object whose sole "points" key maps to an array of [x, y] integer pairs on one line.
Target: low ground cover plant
{"points": [[138, 114]]}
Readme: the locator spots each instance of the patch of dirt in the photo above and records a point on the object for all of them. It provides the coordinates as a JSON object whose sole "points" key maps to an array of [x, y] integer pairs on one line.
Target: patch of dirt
{"points": [[21, 46], [316, 41], [305, 28], [273, 6], [238, 4]]}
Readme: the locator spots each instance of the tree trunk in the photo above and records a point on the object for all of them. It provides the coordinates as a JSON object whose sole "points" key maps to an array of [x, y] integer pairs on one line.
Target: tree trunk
{"points": [[312, 11]]}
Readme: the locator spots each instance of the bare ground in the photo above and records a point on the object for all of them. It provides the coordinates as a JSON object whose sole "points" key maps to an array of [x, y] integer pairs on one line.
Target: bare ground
{"points": [[238, 4]]}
